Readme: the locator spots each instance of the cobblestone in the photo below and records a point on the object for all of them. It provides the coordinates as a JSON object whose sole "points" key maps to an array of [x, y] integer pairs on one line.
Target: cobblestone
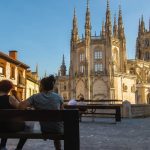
{"points": [[103, 134]]}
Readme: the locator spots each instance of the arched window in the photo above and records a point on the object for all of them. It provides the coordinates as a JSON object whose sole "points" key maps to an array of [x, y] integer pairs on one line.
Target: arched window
{"points": [[97, 54], [98, 67], [147, 55], [148, 98], [81, 68], [82, 57]]}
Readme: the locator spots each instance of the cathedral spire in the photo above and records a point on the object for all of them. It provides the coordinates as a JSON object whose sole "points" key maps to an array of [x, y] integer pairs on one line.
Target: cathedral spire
{"points": [[75, 28], [45, 74], [149, 25], [108, 5], [87, 22], [88, 4], [108, 26], [142, 25], [63, 67], [63, 60], [120, 24], [37, 70], [103, 30], [115, 28], [139, 30]]}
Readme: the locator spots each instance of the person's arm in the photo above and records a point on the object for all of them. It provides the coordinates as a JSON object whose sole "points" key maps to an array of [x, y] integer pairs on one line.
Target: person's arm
{"points": [[62, 106], [13, 101], [28, 103], [14, 94], [61, 103], [24, 104]]}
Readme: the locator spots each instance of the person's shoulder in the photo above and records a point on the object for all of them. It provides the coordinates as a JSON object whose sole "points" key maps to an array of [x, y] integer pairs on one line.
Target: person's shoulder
{"points": [[72, 102], [35, 96], [57, 96]]}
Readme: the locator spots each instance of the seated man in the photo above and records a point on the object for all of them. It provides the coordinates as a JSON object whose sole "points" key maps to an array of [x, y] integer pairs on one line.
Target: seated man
{"points": [[47, 99], [81, 101]]}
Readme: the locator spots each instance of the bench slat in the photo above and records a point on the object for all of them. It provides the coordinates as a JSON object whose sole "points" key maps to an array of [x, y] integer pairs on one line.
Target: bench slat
{"points": [[32, 135], [32, 115]]}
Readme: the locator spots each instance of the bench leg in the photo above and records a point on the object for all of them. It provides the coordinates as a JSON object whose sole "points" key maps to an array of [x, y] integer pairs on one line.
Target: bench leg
{"points": [[21, 143], [3, 142], [57, 144], [80, 117], [118, 115], [71, 136], [93, 117]]}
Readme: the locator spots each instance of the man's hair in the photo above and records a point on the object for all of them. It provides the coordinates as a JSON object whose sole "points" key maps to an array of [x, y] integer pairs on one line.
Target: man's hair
{"points": [[6, 86], [48, 83]]}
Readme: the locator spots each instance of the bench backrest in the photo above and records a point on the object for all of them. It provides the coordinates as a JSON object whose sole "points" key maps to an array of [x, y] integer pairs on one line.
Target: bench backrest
{"points": [[102, 101], [69, 117], [117, 108]]}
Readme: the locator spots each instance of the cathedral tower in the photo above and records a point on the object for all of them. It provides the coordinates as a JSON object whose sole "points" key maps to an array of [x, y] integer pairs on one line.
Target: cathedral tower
{"points": [[143, 42]]}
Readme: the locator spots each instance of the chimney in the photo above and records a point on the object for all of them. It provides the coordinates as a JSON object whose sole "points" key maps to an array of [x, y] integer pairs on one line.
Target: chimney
{"points": [[13, 54]]}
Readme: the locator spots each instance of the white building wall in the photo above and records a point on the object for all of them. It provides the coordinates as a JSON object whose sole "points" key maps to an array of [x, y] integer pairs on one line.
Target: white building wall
{"points": [[123, 94], [31, 88]]}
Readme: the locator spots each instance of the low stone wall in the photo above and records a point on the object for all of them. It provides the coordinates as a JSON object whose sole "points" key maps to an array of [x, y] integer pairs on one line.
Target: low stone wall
{"points": [[135, 110], [140, 110]]}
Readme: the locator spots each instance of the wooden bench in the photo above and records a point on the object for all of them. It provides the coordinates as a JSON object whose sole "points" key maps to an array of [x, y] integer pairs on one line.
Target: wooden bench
{"points": [[70, 119], [91, 109], [102, 101]]}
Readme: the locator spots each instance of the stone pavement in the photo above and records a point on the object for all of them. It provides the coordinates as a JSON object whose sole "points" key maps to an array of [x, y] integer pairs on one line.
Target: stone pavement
{"points": [[103, 134]]}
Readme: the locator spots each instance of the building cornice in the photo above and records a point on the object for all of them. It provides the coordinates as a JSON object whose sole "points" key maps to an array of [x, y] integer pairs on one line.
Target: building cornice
{"points": [[16, 62]]}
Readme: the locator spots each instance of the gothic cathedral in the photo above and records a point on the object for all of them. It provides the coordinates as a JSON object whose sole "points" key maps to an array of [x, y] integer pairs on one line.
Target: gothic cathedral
{"points": [[99, 68]]}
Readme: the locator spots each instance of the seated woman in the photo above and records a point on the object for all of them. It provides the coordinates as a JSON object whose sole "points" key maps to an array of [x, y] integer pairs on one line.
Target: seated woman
{"points": [[9, 102]]}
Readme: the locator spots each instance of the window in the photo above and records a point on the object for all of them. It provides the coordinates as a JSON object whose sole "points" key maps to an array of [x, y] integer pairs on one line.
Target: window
{"points": [[30, 91], [125, 88], [98, 55], [98, 67], [21, 79], [82, 56], [2, 69], [148, 98], [12, 72], [147, 55], [81, 69]]}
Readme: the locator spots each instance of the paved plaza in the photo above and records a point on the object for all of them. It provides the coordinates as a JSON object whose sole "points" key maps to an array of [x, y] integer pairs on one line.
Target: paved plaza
{"points": [[103, 134]]}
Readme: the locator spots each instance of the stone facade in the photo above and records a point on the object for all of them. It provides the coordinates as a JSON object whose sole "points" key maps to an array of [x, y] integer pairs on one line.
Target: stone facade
{"points": [[17, 72], [99, 68], [32, 83]]}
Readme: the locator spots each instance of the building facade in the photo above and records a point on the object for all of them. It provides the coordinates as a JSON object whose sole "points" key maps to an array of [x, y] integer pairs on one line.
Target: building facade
{"points": [[17, 72], [99, 68], [32, 83]]}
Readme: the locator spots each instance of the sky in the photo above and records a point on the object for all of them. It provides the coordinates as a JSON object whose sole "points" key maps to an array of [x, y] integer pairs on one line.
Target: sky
{"points": [[40, 30]]}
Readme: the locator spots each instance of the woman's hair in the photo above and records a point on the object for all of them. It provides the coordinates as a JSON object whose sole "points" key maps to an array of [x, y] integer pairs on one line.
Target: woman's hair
{"points": [[48, 83], [6, 86]]}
